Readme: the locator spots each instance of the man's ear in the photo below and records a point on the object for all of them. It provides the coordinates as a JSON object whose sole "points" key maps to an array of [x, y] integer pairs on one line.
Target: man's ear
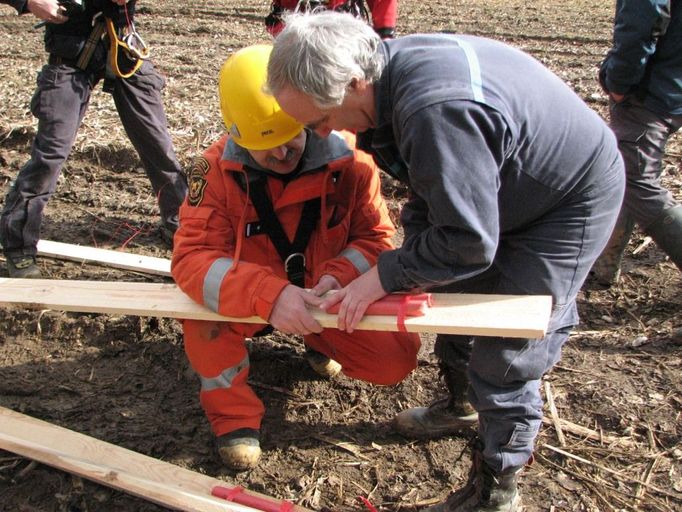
{"points": [[357, 84]]}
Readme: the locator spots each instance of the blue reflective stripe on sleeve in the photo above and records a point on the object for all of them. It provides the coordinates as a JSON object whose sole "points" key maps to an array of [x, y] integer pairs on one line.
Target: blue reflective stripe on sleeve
{"points": [[224, 380], [357, 259], [474, 70], [212, 281]]}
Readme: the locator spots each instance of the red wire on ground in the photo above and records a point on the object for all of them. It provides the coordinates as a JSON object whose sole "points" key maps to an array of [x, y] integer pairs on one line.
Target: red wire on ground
{"points": [[369, 506]]}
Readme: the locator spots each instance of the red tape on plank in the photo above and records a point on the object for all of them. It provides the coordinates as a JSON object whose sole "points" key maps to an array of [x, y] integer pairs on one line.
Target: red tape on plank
{"points": [[396, 304], [402, 311]]}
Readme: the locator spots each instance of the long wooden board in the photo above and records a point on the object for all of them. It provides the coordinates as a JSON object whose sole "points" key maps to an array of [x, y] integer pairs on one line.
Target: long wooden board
{"points": [[522, 316], [126, 470], [117, 259]]}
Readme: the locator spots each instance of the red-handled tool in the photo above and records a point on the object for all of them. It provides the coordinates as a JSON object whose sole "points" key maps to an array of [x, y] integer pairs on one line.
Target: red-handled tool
{"points": [[400, 305], [237, 495]]}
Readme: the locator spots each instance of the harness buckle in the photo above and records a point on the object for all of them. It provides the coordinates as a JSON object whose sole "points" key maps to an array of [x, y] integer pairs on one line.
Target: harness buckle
{"points": [[294, 266]]}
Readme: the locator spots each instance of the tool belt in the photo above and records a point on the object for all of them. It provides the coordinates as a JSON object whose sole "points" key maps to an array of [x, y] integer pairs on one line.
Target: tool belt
{"points": [[56, 60], [355, 7], [82, 59]]}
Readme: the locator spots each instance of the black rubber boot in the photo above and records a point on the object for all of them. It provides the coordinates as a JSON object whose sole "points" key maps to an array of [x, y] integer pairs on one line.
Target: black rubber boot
{"points": [[457, 382], [485, 491], [447, 415], [606, 270], [666, 231]]}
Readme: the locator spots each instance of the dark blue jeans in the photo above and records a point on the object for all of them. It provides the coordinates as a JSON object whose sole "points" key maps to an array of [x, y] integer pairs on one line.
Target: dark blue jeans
{"points": [[552, 256], [59, 103]]}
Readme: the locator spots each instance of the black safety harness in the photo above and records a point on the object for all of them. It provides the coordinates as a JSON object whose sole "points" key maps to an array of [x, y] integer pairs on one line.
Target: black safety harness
{"points": [[291, 253]]}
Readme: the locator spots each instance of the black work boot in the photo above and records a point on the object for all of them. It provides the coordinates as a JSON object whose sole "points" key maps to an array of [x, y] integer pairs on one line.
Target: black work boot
{"points": [[447, 415], [606, 270], [485, 491], [23, 267], [666, 231]]}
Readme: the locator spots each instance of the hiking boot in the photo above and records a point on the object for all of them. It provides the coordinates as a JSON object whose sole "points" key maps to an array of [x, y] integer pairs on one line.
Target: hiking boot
{"points": [[323, 365], [485, 491], [240, 449], [24, 267], [442, 417]]}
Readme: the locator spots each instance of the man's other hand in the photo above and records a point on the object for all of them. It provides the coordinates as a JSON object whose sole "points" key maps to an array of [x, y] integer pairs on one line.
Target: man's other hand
{"points": [[325, 284], [290, 313], [47, 10]]}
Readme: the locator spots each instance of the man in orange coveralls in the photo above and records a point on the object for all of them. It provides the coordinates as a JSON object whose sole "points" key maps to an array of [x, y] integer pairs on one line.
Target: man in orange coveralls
{"points": [[267, 182]]}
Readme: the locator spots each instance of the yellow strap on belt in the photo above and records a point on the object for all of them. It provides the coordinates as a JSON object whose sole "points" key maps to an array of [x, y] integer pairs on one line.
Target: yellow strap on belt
{"points": [[90, 45], [135, 53]]}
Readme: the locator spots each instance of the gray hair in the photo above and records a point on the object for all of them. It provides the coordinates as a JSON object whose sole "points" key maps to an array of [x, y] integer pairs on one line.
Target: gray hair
{"points": [[319, 54]]}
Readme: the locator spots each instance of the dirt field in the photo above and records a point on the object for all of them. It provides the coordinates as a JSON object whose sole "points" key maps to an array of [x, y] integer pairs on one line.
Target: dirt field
{"points": [[125, 379]]}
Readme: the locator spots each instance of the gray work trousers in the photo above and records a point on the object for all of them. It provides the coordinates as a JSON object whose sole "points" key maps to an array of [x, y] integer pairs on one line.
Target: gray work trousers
{"points": [[59, 103], [551, 256], [642, 135]]}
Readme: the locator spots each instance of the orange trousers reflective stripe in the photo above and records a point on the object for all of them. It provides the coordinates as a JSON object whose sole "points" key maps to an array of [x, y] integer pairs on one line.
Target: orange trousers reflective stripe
{"points": [[216, 351]]}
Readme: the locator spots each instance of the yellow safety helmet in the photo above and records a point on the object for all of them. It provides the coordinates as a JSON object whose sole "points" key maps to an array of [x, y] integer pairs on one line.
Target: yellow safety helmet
{"points": [[253, 118]]}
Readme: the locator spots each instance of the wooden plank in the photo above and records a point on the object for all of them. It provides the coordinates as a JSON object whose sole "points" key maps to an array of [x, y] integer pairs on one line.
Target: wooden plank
{"points": [[113, 466], [116, 259], [522, 316]]}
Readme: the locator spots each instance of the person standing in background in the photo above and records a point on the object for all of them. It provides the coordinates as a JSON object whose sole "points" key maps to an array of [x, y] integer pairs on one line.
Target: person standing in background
{"points": [[642, 74], [79, 42]]}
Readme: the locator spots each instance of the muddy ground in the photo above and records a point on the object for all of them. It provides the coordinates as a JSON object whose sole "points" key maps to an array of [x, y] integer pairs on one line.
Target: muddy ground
{"points": [[125, 379]]}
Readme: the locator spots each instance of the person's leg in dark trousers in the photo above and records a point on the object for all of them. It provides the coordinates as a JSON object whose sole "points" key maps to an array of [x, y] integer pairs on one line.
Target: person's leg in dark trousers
{"points": [[59, 103], [642, 136], [453, 412], [140, 107], [552, 256]]}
